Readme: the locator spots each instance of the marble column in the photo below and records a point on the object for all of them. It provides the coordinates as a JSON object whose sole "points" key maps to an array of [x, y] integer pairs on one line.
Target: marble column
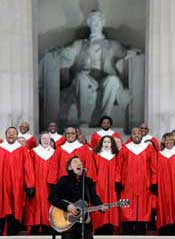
{"points": [[160, 66], [18, 63]]}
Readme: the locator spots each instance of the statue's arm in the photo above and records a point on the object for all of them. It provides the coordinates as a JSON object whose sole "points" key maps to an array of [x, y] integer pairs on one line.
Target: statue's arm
{"points": [[120, 50], [69, 54], [119, 53]]}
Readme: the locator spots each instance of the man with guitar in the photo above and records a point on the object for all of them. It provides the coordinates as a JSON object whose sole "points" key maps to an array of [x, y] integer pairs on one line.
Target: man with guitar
{"points": [[67, 192]]}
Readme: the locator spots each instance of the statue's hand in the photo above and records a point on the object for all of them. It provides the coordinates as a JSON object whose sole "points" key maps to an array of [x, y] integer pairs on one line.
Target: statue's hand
{"points": [[132, 53]]}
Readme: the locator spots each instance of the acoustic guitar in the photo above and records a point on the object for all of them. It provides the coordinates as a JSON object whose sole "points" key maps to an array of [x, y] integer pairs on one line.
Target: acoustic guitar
{"points": [[62, 221]]}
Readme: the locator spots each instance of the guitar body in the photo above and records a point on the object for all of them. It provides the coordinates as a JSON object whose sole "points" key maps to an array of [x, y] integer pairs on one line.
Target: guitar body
{"points": [[62, 221]]}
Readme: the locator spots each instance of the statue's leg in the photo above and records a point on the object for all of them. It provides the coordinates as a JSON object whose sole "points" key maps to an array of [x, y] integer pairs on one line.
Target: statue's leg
{"points": [[86, 92], [109, 89]]}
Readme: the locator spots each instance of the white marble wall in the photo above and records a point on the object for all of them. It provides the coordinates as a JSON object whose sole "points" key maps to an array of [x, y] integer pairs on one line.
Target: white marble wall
{"points": [[136, 86], [18, 55], [160, 67]]}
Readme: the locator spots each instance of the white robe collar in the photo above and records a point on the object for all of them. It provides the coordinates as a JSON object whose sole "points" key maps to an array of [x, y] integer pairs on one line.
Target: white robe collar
{"points": [[137, 148], [168, 153], [26, 135], [10, 147], [146, 137], [106, 154], [55, 136], [44, 153], [70, 147], [103, 132]]}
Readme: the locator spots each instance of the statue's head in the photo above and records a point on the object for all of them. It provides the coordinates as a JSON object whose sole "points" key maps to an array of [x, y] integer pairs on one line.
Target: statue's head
{"points": [[96, 21]]}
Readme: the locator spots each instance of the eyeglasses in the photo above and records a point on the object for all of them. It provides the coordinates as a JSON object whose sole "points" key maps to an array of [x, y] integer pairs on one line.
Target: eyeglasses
{"points": [[70, 133]]}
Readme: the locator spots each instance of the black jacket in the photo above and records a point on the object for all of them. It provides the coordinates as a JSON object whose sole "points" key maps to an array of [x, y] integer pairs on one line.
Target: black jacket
{"points": [[69, 188]]}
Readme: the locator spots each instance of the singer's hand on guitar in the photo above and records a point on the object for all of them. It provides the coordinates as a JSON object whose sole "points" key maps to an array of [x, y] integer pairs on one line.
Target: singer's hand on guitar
{"points": [[72, 209], [103, 208]]}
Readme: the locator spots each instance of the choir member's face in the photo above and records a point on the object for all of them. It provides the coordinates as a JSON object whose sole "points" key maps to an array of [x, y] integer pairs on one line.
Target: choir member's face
{"points": [[144, 129], [45, 140], [11, 135], [70, 134], [21, 140], [52, 128], [76, 166], [24, 127], [106, 145], [106, 124], [136, 135], [169, 142]]}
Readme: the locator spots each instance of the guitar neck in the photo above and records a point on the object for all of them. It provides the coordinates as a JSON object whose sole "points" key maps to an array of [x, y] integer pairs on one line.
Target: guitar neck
{"points": [[109, 205]]}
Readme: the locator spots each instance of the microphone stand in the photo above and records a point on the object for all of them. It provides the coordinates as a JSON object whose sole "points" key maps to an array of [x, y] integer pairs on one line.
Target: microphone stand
{"points": [[83, 204]]}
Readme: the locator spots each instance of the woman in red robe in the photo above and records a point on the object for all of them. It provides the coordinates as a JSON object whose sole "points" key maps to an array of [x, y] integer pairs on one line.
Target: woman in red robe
{"points": [[37, 208], [166, 187], [105, 160]]}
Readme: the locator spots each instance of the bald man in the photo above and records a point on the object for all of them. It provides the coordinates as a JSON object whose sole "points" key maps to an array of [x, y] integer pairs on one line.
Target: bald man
{"points": [[136, 179], [70, 148], [146, 137], [16, 178], [24, 131]]}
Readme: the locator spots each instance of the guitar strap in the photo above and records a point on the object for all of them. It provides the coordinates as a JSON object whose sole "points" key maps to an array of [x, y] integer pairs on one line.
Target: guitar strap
{"points": [[87, 192]]}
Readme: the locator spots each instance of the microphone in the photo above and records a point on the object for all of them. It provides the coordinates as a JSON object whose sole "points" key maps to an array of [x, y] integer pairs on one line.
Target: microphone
{"points": [[84, 170]]}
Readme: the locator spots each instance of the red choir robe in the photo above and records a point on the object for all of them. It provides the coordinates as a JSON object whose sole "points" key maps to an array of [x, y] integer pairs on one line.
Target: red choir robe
{"points": [[37, 208], [137, 170], [157, 148], [166, 187], [5, 201], [30, 142], [58, 138], [65, 152], [105, 187], [16, 175], [95, 138]]}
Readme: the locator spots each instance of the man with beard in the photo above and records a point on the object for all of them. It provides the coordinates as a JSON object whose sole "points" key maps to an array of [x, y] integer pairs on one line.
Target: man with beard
{"points": [[106, 124], [136, 179]]}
